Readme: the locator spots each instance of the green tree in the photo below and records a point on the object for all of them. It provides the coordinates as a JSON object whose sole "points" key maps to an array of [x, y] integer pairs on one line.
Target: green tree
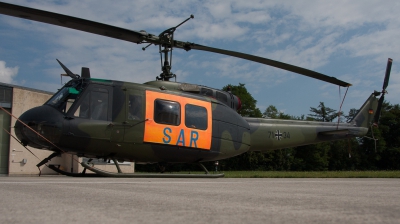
{"points": [[389, 129], [311, 157], [280, 159], [248, 160], [351, 115], [316, 156], [344, 155], [372, 146], [272, 112], [249, 108], [323, 113], [380, 149]]}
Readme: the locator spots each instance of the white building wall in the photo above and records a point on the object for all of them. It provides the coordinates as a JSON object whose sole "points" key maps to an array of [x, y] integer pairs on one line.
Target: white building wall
{"points": [[23, 100]]}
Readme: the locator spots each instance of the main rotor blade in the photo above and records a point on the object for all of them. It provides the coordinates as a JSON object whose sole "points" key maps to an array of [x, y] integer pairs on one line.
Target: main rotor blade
{"points": [[70, 22], [142, 36], [277, 64], [69, 73]]}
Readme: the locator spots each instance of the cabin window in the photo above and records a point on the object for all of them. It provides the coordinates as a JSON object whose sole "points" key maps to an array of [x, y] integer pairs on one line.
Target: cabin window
{"points": [[94, 105], [196, 117], [167, 112], [222, 97], [5, 96], [135, 107], [206, 92]]}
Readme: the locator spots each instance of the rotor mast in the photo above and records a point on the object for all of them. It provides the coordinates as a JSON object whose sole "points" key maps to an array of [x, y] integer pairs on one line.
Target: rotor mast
{"points": [[166, 39]]}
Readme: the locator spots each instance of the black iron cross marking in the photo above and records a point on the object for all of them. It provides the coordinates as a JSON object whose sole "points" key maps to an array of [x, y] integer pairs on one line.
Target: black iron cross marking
{"points": [[278, 135]]}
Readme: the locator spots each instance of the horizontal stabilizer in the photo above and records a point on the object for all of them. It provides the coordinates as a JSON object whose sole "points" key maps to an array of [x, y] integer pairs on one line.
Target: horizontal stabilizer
{"points": [[335, 132]]}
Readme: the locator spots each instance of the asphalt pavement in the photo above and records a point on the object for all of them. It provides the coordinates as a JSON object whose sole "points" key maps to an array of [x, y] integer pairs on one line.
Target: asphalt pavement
{"points": [[58, 199]]}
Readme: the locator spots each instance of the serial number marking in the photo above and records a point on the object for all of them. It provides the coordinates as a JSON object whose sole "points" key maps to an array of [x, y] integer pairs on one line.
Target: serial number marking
{"points": [[278, 135]]}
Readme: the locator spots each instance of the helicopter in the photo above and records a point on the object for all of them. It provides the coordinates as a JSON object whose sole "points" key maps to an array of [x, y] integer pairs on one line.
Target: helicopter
{"points": [[164, 121]]}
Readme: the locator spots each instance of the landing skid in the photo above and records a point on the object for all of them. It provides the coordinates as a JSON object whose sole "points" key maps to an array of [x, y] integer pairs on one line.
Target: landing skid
{"points": [[103, 173], [83, 174]]}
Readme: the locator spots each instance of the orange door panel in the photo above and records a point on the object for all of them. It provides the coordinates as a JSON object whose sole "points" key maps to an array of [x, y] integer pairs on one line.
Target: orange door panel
{"points": [[179, 135]]}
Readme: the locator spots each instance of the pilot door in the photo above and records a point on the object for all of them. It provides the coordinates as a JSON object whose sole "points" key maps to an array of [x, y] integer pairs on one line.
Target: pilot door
{"points": [[134, 116], [128, 122], [88, 123]]}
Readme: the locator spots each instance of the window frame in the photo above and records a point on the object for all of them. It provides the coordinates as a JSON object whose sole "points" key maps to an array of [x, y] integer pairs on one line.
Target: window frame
{"points": [[135, 112], [88, 93], [178, 119], [186, 117]]}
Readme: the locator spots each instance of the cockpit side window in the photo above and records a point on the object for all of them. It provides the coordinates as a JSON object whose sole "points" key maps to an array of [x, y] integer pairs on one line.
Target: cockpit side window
{"points": [[63, 100], [135, 107], [99, 106], [83, 109], [94, 106], [57, 99]]}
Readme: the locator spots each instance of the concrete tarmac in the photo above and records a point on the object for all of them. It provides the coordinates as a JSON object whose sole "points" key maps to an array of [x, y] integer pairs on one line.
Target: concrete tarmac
{"points": [[59, 199]]}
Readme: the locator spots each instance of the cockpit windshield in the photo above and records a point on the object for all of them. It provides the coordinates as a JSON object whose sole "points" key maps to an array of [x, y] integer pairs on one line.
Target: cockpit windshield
{"points": [[64, 98]]}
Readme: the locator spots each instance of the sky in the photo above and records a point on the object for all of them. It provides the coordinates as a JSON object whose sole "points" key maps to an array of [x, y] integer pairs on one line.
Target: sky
{"points": [[349, 40]]}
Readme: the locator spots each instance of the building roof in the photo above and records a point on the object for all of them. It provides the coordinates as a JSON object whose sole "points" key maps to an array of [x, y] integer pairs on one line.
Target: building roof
{"points": [[26, 88]]}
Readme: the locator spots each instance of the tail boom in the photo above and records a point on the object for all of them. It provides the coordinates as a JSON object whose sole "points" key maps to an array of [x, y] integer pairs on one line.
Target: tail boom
{"points": [[271, 134]]}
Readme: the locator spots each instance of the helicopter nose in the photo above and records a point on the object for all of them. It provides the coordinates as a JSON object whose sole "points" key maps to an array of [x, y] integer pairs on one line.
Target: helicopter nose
{"points": [[46, 121]]}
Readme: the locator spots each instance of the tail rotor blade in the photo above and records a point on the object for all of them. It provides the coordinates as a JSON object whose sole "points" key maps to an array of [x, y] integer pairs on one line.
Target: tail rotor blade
{"points": [[378, 110], [385, 85], [387, 74]]}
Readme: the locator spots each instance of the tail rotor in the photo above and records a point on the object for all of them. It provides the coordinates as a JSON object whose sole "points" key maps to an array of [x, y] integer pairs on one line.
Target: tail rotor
{"points": [[382, 98]]}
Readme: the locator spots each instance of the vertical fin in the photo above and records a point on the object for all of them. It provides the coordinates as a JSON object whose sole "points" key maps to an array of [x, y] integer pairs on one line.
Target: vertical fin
{"points": [[366, 114], [371, 110]]}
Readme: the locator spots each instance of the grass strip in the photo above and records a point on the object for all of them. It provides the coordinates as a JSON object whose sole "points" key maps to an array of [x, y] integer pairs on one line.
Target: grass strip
{"points": [[302, 174], [312, 174]]}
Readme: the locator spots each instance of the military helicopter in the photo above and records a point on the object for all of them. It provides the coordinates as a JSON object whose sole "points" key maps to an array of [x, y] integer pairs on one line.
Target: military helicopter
{"points": [[162, 121]]}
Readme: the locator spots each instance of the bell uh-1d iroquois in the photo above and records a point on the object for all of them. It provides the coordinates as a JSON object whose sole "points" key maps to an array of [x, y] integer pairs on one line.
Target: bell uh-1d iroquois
{"points": [[162, 121]]}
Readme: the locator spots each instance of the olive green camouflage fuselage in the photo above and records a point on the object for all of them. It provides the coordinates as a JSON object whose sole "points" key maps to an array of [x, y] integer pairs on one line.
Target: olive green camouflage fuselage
{"points": [[148, 137]]}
